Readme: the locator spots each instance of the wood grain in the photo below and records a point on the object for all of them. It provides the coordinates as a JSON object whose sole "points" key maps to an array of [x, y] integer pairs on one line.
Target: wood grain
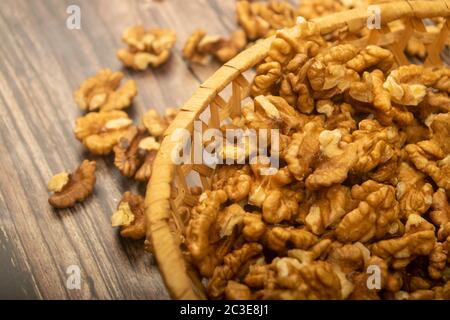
{"points": [[41, 63]]}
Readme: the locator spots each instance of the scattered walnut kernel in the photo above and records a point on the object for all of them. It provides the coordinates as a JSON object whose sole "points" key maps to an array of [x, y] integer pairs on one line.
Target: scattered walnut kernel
{"points": [[102, 92], [79, 186], [130, 216], [101, 131], [146, 48], [170, 114], [199, 46], [148, 144], [126, 153], [154, 123], [134, 154], [145, 171]]}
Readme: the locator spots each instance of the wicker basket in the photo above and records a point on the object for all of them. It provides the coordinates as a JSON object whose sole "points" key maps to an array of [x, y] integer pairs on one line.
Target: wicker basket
{"points": [[168, 193]]}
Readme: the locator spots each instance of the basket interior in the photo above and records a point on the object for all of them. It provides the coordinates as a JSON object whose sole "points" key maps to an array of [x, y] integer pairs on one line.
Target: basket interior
{"points": [[222, 96]]}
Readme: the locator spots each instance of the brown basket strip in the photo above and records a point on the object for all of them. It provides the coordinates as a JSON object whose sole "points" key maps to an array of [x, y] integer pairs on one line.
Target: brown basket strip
{"points": [[168, 194]]}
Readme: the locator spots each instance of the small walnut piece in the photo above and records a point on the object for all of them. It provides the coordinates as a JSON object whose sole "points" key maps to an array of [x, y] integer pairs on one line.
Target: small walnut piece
{"points": [[130, 216], [413, 193], [317, 280], [190, 51], [375, 215], [58, 181], [126, 153], [149, 144], [326, 208], [303, 149], [170, 114], [123, 216], [441, 208], [203, 216], [237, 291], [419, 239], [79, 186], [145, 171], [405, 94], [238, 186], [371, 146], [328, 74], [372, 57], [146, 48], [428, 157], [279, 239], [232, 263], [267, 74], [102, 92], [438, 261]]}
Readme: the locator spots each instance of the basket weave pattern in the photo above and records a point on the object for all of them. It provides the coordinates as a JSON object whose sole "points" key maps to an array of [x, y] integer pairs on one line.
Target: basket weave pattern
{"points": [[168, 194]]}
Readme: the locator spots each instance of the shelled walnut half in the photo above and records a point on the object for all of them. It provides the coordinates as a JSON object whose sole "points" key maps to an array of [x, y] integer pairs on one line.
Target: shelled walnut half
{"points": [[134, 154], [146, 47], [102, 92], [200, 46], [101, 131], [71, 188]]}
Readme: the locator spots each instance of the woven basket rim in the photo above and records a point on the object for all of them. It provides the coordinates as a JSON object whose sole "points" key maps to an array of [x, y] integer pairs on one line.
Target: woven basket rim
{"points": [[172, 265]]}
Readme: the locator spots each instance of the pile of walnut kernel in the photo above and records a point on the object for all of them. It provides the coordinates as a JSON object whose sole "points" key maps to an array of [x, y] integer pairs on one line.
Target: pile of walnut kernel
{"points": [[364, 181]]}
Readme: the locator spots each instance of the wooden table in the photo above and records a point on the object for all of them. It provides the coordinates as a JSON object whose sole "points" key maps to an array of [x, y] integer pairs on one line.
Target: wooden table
{"points": [[41, 63]]}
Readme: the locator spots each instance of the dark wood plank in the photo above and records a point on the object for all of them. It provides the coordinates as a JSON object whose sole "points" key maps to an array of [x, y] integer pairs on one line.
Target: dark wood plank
{"points": [[42, 62]]}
